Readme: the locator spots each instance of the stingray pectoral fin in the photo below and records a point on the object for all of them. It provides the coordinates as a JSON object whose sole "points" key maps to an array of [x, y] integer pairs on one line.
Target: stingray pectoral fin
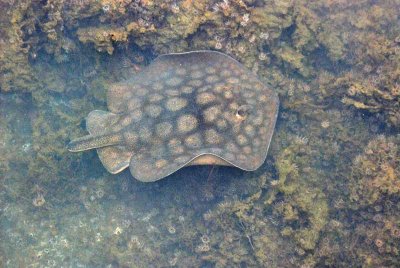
{"points": [[100, 121], [94, 141], [114, 158], [148, 169]]}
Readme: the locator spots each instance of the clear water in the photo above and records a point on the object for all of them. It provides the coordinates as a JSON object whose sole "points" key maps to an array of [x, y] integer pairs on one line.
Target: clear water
{"points": [[327, 195]]}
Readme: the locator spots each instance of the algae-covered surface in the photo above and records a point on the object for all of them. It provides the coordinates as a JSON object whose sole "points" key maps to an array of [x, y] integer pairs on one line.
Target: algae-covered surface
{"points": [[327, 195]]}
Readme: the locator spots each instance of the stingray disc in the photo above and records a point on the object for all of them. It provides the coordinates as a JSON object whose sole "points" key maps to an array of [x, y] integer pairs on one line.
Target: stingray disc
{"points": [[200, 107]]}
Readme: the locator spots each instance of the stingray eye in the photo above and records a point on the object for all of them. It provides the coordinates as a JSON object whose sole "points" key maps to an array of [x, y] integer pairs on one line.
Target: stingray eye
{"points": [[243, 111]]}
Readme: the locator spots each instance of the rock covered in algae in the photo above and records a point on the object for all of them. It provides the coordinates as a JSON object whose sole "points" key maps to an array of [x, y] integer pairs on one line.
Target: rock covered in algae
{"points": [[301, 197], [376, 172], [353, 58]]}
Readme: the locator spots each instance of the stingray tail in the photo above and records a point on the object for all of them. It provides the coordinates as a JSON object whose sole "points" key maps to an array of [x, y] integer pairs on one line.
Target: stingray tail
{"points": [[94, 141]]}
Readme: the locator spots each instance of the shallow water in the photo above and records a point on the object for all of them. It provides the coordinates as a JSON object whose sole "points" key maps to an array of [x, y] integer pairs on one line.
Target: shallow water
{"points": [[327, 195]]}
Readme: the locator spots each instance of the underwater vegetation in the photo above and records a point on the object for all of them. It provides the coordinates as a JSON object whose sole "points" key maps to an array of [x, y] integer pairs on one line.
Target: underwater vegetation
{"points": [[328, 194], [375, 172]]}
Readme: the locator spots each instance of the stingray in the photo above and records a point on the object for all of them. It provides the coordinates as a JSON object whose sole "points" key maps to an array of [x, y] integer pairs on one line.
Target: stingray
{"points": [[193, 108]]}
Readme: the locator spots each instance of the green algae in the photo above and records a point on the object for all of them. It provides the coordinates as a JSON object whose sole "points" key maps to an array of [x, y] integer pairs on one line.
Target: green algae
{"points": [[16, 73], [375, 172], [102, 38], [300, 197]]}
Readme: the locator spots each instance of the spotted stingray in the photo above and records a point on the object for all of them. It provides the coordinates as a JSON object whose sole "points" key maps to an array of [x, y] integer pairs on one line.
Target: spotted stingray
{"points": [[194, 108]]}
